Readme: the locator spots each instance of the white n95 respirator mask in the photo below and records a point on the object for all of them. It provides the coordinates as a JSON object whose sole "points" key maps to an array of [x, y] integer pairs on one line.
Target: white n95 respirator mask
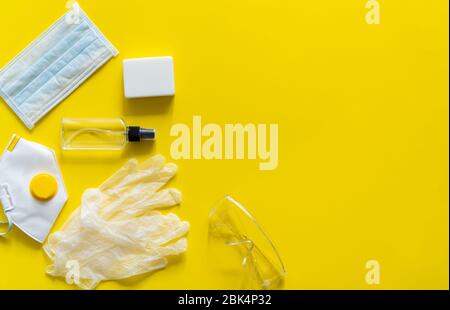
{"points": [[32, 191], [54, 65]]}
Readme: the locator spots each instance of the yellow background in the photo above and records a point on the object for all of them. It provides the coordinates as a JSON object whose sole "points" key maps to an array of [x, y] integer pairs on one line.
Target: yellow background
{"points": [[363, 120]]}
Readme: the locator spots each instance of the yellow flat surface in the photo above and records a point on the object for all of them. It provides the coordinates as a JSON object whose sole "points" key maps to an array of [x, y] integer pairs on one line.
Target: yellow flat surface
{"points": [[363, 132]]}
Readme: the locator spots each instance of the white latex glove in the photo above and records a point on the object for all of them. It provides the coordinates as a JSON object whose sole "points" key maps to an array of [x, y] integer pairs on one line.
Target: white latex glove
{"points": [[116, 232]]}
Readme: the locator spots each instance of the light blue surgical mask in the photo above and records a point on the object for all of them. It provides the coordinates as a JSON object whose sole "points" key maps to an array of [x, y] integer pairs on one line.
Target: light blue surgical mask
{"points": [[54, 65]]}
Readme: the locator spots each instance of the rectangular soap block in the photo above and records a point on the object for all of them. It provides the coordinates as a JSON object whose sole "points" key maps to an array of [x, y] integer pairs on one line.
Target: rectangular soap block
{"points": [[148, 77]]}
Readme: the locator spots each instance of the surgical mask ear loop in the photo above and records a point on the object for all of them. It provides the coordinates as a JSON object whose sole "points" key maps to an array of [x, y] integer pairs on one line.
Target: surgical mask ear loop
{"points": [[7, 204]]}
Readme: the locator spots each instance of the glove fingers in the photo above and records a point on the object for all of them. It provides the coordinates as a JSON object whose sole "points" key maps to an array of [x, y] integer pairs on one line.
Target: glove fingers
{"points": [[149, 180], [176, 248], [133, 265], [133, 172], [142, 205], [169, 228], [117, 177], [150, 231], [154, 161]]}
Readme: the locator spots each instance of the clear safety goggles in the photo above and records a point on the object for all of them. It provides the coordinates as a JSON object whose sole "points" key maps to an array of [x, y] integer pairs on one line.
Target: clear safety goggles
{"points": [[237, 228]]}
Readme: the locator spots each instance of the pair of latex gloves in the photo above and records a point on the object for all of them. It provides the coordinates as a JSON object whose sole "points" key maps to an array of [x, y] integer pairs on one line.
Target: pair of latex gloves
{"points": [[117, 233]]}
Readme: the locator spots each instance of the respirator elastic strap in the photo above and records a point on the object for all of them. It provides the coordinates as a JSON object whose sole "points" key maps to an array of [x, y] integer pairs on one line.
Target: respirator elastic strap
{"points": [[7, 206]]}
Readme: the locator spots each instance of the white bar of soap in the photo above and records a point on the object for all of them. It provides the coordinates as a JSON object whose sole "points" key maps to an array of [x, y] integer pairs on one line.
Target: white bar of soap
{"points": [[148, 77]]}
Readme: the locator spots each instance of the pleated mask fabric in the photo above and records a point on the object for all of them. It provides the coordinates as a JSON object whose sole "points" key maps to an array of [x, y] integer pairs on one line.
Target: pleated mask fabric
{"points": [[54, 65]]}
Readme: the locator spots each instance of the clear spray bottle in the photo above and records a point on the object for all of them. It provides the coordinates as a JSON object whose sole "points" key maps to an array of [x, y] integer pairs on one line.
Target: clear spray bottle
{"points": [[101, 134]]}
